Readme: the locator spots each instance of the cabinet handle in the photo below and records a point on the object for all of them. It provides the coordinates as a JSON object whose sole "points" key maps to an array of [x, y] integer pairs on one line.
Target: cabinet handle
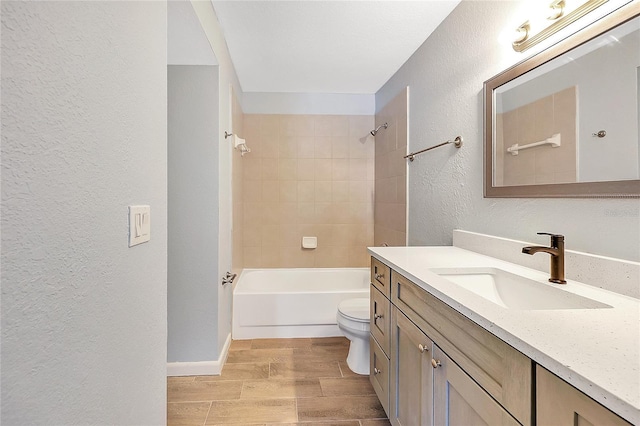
{"points": [[378, 276], [423, 348], [435, 363], [377, 316], [376, 370]]}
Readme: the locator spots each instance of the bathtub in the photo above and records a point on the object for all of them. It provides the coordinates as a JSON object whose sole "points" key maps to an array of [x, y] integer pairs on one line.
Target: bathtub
{"points": [[269, 303]]}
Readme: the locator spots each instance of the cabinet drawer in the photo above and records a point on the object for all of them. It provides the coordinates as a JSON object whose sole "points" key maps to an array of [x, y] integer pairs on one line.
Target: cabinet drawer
{"points": [[379, 376], [381, 276], [380, 319], [502, 371], [559, 403]]}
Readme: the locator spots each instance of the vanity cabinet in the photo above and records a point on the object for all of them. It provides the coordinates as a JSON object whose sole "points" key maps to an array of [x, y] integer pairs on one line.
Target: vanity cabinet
{"points": [[432, 365], [488, 377], [559, 403]]}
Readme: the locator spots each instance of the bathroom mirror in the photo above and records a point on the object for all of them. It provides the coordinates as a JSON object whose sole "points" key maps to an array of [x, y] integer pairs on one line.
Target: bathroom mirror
{"points": [[564, 123]]}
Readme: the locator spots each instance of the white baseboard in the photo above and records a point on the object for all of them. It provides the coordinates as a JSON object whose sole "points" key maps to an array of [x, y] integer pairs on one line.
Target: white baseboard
{"points": [[200, 368]]}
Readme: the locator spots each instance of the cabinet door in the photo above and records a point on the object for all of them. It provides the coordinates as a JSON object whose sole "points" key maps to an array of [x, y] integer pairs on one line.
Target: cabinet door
{"points": [[411, 374], [559, 403], [458, 400]]}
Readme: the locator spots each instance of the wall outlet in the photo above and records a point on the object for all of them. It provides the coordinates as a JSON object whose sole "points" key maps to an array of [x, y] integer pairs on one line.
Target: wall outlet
{"points": [[139, 225]]}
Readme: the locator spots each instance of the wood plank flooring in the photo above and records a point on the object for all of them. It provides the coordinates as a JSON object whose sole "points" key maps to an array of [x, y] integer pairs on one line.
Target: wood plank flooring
{"points": [[278, 382]]}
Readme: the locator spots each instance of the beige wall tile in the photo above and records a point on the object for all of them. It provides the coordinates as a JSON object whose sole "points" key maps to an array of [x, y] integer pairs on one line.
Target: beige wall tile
{"points": [[288, 169], [270, 191], [340, 147], [272, 258], [322, 191], [306, 169], [306, 191], [340, 191], [322, 147], [357, 169], [306, 147], [340, 169], [288, 213], [288, 191], [322, 168], [269, 169], [270, 147], [288, 147], [252, 191], [312, 171], [251, 168]]}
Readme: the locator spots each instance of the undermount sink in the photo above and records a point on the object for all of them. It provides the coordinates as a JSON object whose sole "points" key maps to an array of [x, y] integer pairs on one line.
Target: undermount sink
{"points": [[513, 291]]}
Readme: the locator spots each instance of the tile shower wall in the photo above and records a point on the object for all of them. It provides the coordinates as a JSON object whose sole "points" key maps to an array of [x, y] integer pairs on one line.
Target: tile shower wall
{"points": [[535, 122], [237, 120], [307, 175], [391, 173]]}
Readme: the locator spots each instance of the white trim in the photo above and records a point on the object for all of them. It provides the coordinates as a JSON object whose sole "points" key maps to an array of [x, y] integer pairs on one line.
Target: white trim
{"points": [[200, 368]]}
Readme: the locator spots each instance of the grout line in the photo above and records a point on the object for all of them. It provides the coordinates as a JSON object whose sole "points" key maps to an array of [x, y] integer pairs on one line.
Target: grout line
{"points": [[208, 411]]}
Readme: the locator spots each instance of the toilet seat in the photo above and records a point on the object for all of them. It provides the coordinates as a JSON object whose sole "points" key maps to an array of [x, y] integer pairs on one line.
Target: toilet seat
{"points": [[355, 309]]}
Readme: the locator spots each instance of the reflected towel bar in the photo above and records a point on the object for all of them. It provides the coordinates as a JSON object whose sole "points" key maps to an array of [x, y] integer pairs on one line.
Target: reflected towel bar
{"points": [[457, 143]]}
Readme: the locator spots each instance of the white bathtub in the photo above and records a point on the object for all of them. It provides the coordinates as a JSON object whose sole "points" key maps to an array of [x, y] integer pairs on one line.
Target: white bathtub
{"points": [[270, 303]]}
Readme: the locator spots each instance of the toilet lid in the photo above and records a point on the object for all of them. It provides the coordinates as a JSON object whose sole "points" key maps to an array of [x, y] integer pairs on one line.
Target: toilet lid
{"points": [[355, 308]]}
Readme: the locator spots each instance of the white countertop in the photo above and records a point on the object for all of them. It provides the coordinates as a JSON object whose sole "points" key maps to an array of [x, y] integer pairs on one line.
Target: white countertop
{"points": [[596, 350]]}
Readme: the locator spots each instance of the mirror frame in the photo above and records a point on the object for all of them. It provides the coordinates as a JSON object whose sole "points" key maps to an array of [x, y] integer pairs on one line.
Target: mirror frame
{"points": [[609, 189]]}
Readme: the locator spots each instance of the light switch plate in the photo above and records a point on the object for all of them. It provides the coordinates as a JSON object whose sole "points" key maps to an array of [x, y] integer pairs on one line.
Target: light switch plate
{"points": [[139, 225]]}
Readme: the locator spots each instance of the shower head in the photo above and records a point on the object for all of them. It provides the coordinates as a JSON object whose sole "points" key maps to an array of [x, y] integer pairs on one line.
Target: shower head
{"points": [[373, 132]]}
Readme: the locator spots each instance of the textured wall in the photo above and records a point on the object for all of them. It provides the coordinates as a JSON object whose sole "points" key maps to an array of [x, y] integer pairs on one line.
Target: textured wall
{"points": [[193, 213], [446, 75], [390, 223], [308, 175], [83, 136]]}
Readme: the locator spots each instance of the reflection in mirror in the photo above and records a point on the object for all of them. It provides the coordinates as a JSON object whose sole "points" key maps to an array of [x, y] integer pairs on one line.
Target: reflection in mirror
{"points": [[568, 125]]}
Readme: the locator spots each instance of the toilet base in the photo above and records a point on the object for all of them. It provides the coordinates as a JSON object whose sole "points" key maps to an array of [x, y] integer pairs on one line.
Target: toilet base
{"points": [[358, 358]]}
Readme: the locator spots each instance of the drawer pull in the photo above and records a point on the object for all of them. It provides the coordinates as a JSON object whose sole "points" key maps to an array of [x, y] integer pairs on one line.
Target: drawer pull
{"points": [[422, 348], [379, 276], [377, 316], [435, 363], [376, 370]]}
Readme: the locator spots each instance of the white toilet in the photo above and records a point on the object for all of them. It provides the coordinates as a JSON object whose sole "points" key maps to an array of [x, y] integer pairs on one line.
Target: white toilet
{"points": [[353, 321]]}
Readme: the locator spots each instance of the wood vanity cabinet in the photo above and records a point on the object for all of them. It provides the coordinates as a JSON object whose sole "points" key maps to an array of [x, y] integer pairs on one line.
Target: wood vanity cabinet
{"points": [[487, 378], [559, 403], [431, 365]]}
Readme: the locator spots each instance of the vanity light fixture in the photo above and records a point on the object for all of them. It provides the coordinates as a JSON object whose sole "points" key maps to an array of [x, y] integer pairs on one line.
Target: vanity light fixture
{"points": [[558, 15]]}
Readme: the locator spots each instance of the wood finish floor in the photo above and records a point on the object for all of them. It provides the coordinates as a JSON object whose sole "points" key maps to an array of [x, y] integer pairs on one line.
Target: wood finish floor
{"points": [[278, 381]]}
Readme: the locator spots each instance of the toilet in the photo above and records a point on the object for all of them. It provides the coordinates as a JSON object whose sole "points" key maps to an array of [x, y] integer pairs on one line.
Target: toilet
{"points": [[353, 321]]}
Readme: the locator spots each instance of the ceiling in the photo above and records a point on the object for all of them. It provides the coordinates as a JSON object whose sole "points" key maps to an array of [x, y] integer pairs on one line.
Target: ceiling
{"points": [[324, 46]]}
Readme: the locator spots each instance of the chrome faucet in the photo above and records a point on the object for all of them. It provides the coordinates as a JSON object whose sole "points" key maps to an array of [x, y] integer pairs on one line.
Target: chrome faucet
{"points": [[556, 250]]}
